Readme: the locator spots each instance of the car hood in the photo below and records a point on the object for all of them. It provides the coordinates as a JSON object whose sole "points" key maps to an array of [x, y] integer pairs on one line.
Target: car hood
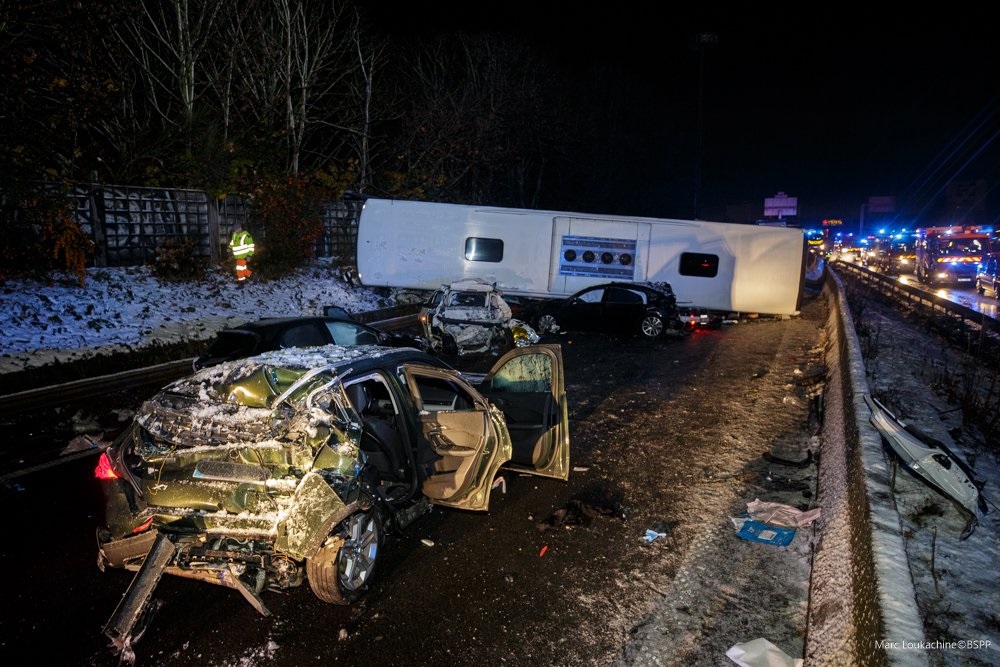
{"points": [[190, 421], [257, 401]]}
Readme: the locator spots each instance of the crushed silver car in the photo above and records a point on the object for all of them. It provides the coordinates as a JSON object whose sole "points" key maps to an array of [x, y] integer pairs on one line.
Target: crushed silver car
{"points": [[470, 316]]}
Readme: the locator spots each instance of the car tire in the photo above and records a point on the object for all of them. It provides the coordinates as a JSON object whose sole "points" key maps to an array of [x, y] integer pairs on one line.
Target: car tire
{"points": [[547, 324], [340, 571], [651, 326], [980, 288]]}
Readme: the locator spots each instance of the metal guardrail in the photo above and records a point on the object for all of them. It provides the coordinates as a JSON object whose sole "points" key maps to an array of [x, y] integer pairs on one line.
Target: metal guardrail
{"points": [[78, 390], [976, 332], [387, 319]]}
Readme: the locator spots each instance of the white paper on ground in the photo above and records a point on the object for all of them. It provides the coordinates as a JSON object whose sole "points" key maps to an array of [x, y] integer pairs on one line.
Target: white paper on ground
{"points": [[778, 514], [761, 653]]}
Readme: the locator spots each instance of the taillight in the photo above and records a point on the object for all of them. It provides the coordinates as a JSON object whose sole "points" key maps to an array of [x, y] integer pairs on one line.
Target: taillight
{"points": [[104, 470], [143, 526]]}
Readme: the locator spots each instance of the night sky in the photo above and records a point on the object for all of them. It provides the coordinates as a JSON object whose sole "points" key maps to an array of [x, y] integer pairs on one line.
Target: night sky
{"points": [[827, 105]]}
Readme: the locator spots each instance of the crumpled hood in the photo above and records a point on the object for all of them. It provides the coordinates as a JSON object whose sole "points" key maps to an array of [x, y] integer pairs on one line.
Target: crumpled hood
{"points": [[222, 405], [188, 421]]}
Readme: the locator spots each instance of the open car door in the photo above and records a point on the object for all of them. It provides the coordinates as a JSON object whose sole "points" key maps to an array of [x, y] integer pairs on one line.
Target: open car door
{"points": [[527, 385], [463, 430]]}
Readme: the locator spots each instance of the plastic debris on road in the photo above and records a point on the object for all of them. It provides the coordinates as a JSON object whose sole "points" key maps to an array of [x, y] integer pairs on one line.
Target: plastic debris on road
{"points": [[502, 483], [778, 514], [761, 653], [756, 531], [652, 535]]}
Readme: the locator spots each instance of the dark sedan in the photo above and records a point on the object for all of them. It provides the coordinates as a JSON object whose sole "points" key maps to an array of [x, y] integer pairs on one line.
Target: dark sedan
{"points": [[277, 333], [646, 309]]}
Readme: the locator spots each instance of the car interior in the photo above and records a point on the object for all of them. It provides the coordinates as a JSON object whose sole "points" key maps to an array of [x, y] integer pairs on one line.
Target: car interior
{"points": [[381, 439]]}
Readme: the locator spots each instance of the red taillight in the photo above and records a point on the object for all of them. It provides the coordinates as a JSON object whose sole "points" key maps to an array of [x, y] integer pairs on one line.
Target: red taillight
{"points": [[143, 526], [103, 470]]}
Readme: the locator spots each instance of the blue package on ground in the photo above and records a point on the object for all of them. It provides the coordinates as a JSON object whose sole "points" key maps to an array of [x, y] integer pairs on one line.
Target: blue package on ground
{"points": [[755, 531]]}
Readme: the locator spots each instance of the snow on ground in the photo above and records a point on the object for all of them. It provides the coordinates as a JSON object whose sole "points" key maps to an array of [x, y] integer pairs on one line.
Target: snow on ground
{"points": [[956, 581], [127, 308]]}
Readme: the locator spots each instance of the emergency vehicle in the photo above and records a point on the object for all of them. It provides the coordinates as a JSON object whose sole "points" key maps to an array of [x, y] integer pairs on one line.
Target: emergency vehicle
{"points": [[950, 255]]}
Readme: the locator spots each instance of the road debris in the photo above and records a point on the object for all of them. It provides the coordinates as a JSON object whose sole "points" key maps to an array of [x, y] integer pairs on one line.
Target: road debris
{"points": [[778, 514], [757, 531], [761, 653]]}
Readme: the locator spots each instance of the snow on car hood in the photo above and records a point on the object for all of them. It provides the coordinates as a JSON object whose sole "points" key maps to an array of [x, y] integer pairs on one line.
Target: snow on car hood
{"points": [[234, 402]]}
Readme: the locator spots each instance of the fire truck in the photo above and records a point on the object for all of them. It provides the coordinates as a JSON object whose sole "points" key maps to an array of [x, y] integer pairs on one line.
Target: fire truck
{"points": [[950, 255]]}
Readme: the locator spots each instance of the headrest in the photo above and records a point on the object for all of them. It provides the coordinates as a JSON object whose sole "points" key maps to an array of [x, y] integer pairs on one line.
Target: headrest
{"points": [[359, 396]]}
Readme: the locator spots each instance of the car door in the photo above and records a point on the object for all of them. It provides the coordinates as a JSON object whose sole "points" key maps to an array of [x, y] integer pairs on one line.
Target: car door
{"points": [[528, 386], [623, 309], [582, 311], [467, 438], [993, 274]]}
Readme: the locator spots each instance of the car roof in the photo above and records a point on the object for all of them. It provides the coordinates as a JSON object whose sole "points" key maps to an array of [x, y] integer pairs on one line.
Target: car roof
{"points": [[337, 357], [641, 286], [472, 285]]}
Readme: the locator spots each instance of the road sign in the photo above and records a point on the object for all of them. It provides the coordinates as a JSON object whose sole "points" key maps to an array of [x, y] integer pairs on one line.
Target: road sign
{"points": [[781, 205]]}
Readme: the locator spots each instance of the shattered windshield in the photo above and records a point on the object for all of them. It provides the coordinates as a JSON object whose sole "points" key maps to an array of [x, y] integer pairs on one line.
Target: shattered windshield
{"points": [[468, 299]]}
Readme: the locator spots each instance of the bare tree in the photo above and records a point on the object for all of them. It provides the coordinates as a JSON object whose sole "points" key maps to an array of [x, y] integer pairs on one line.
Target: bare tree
{"points": [[315, 61], [167, 41], [481, 121], [371, 54]]}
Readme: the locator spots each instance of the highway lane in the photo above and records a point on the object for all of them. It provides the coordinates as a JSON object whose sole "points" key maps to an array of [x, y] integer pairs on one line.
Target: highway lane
{"points": [[466, 588]]}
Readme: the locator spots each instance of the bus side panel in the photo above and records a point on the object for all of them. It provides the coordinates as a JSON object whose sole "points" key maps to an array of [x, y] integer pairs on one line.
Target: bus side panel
{"points": [[590, 251], [670, 240], [422, 245]]}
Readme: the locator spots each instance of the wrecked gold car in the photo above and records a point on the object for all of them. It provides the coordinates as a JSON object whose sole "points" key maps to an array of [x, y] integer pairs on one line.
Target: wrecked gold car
{"points": [[293, 465]]}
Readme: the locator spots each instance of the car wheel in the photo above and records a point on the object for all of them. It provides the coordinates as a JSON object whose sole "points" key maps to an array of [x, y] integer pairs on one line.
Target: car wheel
{"points": [[340, 571], [547, 324], [651, 325]]}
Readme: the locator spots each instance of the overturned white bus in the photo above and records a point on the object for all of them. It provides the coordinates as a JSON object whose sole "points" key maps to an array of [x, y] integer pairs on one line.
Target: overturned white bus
{"points": [[710, 265]]}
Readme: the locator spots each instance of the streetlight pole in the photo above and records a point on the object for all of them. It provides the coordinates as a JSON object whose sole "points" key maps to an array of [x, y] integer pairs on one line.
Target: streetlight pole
{"points": [[701, 40]]}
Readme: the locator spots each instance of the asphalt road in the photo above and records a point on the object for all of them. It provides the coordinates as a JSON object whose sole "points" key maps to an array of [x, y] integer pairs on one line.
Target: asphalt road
{"points": [[666, 436]]}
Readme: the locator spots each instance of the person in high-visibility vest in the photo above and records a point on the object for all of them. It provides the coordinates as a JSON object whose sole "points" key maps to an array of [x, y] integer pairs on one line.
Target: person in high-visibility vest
{"points": [[241, 245]]}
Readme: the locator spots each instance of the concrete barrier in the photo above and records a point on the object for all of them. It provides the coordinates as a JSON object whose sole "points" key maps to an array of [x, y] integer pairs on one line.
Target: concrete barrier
{"points": [[861, 592]]}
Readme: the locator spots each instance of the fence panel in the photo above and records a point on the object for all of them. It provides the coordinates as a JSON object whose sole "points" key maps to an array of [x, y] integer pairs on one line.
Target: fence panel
{"points": [[128, 224], [340, 230]]}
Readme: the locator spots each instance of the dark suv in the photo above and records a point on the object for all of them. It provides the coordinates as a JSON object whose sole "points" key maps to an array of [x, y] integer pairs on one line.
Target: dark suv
{"points": [[646, 309]]}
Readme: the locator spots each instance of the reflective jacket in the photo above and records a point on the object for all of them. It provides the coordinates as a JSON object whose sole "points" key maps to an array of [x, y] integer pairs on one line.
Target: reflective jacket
{"points": [[241, 244]]}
